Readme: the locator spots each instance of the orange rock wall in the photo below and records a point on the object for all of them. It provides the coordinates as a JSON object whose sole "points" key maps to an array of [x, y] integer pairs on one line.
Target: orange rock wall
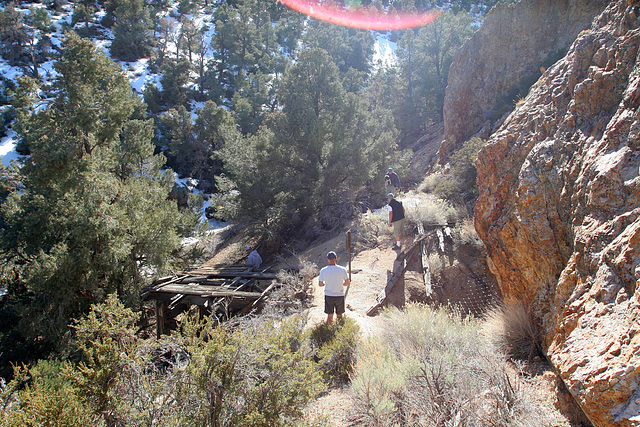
{"points": [[559, 212]]}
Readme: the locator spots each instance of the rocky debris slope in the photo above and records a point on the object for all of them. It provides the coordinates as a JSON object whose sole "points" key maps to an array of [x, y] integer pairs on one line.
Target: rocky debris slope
{"points": [[559, 212], [503, 59]]}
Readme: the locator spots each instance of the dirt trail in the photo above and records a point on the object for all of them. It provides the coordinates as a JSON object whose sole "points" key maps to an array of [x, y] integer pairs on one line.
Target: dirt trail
{"points": [[369, 277]]}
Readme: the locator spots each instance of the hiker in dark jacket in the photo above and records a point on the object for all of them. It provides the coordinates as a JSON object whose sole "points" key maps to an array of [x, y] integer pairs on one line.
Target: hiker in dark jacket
{"points": [[396, 218], [392, 181]]}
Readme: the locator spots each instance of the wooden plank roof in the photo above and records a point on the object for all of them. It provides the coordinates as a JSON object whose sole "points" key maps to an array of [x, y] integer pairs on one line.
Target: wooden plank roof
{"points": [[237, 281]]}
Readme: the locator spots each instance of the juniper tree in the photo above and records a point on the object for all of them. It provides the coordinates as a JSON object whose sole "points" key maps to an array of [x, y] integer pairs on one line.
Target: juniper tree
{"points": [[93, 214], [350, 49], [176, 134], [24, 39], [249, 60], [132, 32], [211, 127], [309, 158], [190, 147], [13, 35], [175, 77]]}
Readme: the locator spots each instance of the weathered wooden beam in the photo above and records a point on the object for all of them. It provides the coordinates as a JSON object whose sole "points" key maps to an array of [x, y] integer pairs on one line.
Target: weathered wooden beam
{"points": [[196, 289], [232, 283], [233, 274], [424, 262], [161, 282], [205, 281], [161, 307]]}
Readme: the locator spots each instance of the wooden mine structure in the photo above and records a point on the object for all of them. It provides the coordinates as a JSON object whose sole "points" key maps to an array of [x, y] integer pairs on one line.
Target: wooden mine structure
{"points": [[399, 268], [401, 264], [219, 290]]}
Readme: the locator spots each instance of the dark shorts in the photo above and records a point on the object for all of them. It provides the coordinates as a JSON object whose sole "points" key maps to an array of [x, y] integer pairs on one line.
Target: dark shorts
{"points": [[333, 303]]}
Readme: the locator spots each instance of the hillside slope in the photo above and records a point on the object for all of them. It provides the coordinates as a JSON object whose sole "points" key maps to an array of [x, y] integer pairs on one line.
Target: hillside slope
{"points": [[504, 58]]}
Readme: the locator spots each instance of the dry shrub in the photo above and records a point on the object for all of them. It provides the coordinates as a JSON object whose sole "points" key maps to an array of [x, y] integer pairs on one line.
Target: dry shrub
{"points": [[292, 290], [376, 222], [437, 263], [512, 331], [368, 228], [431, 367], [465, 234], [299, 283], [431, 211], [430, 182]]}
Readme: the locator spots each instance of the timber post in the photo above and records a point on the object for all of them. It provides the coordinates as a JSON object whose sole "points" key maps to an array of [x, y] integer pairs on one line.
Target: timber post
{"points": [[161, 307], [348, 246]]}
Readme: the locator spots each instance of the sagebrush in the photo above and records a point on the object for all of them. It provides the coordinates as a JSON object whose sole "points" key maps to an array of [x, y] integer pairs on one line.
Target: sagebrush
{"points": [[431, 367], [334, 348], [252, 372]]}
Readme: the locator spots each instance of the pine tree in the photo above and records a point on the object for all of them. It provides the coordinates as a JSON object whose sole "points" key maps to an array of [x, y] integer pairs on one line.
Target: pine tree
{"points": [[424, 58], [93, 215], [313, 154], [132, 32]]}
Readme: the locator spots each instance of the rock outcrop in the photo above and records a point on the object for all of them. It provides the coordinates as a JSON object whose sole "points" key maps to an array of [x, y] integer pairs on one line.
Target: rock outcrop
{"points": [[504, 58], [559, 212]]}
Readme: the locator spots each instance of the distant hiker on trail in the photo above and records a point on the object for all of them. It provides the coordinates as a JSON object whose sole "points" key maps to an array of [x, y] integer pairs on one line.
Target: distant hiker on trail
{"points": [[391, 181], [333, 277], [396, 218], [254, 259]]}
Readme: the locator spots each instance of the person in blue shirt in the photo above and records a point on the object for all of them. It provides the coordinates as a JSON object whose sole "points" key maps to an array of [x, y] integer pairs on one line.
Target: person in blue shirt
{"points": [[254, 259]]}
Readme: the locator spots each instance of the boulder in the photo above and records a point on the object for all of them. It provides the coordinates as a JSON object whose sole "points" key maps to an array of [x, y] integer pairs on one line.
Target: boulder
{"points": [[559, 213]]}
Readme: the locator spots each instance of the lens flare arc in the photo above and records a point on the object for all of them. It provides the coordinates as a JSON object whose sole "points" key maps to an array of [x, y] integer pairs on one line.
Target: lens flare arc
{"points": [[363, 18]]}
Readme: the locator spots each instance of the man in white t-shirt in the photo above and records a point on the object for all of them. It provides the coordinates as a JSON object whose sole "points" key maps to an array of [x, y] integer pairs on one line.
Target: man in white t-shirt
{"points": [[333, 278]]}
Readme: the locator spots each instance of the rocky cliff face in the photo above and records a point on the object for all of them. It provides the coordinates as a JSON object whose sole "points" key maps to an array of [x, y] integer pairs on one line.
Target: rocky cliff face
{"points": [[503, 59], [559, 212]]}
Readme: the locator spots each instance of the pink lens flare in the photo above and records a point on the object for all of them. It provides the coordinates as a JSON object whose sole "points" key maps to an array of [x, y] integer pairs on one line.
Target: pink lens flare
{"points": [[363, 18]]}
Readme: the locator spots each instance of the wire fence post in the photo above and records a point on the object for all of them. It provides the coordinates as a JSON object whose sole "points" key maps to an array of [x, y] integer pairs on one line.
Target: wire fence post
{"points": [[348, 247]]}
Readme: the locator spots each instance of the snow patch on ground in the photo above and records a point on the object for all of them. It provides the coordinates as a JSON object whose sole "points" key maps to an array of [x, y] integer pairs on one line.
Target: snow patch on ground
{"points": [[139, 75], [8, 148], [191, 184]]}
